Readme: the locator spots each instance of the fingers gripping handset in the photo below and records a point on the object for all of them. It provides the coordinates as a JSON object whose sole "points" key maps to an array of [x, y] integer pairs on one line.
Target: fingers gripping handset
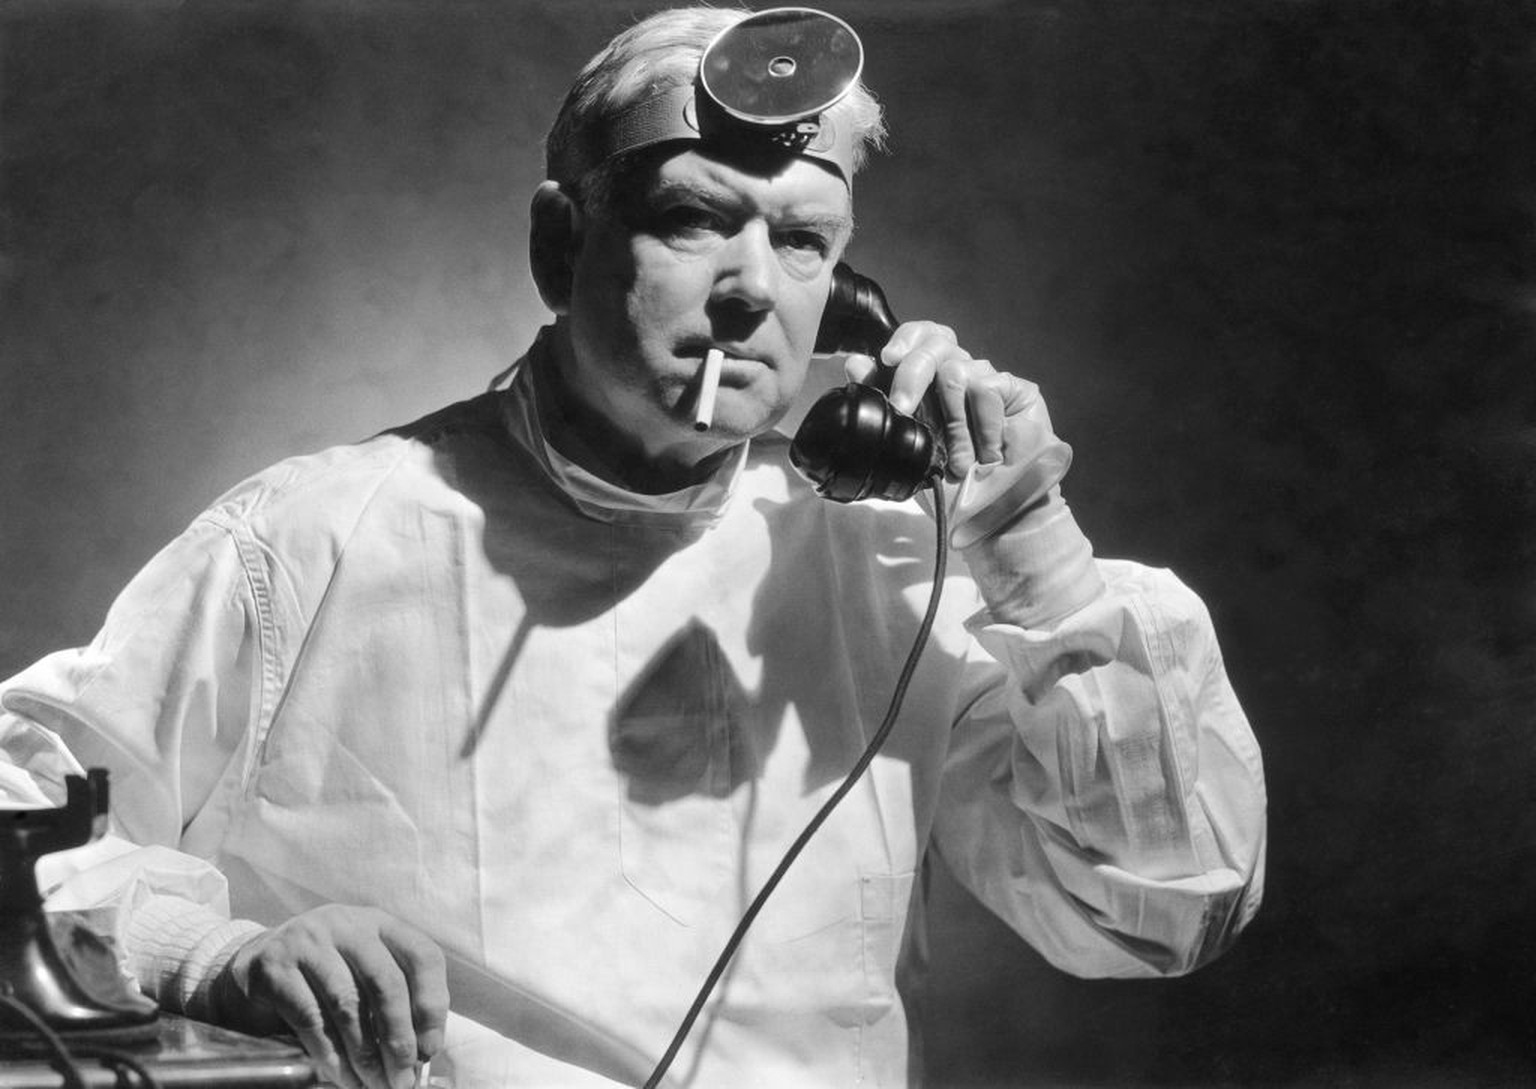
{"points": [[853, 444]]}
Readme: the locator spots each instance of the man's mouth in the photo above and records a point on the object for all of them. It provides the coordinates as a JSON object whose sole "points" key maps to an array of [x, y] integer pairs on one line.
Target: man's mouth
{"points": [[732, 353]]}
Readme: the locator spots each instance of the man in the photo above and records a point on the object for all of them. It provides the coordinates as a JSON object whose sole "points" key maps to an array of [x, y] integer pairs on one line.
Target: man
{"points": [[522, 703]]}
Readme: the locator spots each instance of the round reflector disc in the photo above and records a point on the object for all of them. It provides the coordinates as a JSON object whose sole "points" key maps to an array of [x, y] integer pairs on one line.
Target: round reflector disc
{"points": [[782, 65]]}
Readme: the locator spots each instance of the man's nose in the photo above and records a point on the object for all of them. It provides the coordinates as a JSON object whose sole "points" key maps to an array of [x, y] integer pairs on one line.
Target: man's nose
{"points": [[747, 273]]}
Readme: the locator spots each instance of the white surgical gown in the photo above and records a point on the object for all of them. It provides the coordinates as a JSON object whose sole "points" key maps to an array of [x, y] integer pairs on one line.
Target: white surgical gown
{"points": [[568, 732]]}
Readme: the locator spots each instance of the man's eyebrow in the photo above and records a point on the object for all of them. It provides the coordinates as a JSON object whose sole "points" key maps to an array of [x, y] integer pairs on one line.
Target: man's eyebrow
{"points": [[830, 223], [708, 194]]}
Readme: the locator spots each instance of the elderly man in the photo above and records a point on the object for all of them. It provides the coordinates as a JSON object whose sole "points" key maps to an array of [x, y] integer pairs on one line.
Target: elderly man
{"points": [[524, 702]]}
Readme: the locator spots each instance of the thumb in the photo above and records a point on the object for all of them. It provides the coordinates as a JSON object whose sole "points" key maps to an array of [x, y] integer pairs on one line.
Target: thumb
{"points": [[859, 367]]}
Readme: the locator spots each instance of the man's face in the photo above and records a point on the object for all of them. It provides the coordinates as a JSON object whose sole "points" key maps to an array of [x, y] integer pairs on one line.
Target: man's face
{"points": [[703, 252]]}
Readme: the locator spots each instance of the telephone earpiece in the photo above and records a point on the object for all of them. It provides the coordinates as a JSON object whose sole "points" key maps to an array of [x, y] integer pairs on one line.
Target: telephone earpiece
{"points": [[857, 317], [852, 444]]}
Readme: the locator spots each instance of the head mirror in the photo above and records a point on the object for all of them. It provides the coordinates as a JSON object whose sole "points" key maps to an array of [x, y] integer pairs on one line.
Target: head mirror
{"points": [[768, 80], [781, 66]]}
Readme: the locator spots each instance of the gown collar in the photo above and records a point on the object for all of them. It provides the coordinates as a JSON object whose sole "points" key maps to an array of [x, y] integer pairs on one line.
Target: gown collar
{"points": [[699, 504]]}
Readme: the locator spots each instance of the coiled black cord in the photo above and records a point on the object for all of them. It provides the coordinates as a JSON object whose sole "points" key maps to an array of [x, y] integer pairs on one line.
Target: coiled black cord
{"points": [[898, 695], [63, 1060], [66, 1059]]}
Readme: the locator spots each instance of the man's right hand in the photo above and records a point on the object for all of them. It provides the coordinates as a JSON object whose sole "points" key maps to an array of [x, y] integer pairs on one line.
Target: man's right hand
{"points": [[366, 994]]}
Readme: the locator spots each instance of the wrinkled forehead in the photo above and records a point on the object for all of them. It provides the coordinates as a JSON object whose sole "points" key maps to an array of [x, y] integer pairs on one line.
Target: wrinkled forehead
{"points": [[765, 86], [784, 185]]}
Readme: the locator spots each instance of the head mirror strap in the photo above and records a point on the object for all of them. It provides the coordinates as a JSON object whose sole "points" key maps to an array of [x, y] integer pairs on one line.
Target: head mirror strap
{"points": [[769, 80]]}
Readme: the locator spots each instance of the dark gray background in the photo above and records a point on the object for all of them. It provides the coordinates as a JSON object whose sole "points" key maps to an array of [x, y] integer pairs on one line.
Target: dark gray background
{"points": [[1273, 262]]}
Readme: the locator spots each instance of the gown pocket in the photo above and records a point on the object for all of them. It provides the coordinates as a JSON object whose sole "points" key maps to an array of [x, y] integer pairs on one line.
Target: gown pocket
{"points": [[678, 745]]}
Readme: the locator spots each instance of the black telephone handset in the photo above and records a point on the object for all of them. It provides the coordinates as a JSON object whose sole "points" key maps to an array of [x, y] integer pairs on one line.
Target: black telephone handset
{"points": [[852, 444]]}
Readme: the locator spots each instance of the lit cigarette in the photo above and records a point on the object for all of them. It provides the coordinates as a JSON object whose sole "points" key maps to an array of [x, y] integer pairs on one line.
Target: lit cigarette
{"points": [[709, 385]]}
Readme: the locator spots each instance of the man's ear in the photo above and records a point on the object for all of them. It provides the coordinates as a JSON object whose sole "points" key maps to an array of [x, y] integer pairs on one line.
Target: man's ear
{"points": [[554, 237]]}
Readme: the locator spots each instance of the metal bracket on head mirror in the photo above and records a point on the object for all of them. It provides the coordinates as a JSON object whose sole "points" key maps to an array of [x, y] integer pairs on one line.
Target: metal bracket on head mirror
{"points": [[767, 81]]}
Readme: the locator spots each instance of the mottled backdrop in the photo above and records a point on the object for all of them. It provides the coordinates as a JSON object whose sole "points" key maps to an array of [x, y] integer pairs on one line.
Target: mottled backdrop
{"points": [[1272, 261]]}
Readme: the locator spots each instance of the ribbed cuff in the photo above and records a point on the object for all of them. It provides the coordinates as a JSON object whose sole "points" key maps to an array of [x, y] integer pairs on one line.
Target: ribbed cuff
{"points": [[1037, 570], [176, 948]]}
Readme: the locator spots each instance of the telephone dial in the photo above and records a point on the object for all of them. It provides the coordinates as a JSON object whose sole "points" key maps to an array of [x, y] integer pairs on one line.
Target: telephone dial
{"points": [[853, 444]]}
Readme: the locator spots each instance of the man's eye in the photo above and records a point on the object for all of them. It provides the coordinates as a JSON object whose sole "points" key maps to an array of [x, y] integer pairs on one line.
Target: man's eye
{"points": [[689, 219], [805, 242]]}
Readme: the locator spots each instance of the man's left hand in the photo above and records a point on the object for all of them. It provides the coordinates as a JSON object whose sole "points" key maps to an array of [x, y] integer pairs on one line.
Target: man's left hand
{"points": [[976, 397]]}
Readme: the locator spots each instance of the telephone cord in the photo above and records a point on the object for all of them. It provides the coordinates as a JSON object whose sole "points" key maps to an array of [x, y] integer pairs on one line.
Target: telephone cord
{"points": [[898, 695], [66, 1059]]}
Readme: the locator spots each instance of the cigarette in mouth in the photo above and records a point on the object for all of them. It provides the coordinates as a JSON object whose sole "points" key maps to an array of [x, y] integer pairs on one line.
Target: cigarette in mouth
{"points": [[709, 385]]}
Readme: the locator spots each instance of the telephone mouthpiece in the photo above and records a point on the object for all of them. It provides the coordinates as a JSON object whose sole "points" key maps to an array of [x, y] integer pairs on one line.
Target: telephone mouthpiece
{"points": [[853, 445]]}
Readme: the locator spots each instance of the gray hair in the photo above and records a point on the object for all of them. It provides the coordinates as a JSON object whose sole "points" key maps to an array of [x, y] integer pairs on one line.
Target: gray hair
{"points": [[660, 52]]}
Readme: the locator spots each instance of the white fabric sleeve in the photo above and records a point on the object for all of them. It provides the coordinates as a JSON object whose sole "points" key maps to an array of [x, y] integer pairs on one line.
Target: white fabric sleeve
{"points": [[166, 912], [163, 698], [182, 946], [1108, 800]]}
